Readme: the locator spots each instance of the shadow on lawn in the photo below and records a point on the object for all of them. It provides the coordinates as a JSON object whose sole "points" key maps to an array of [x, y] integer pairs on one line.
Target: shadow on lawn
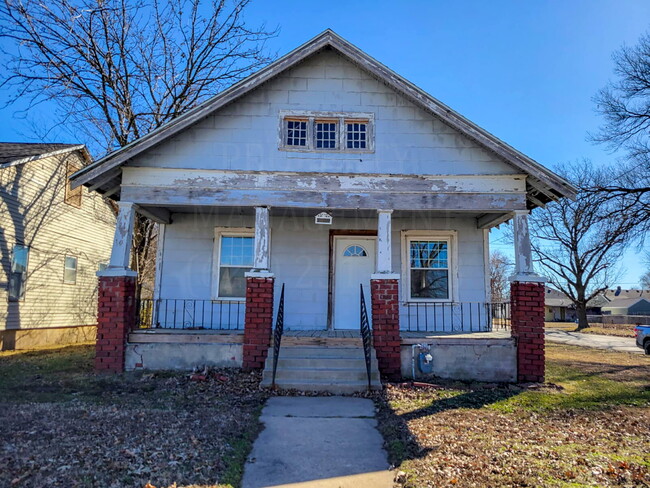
{"points": [[401, 444]]}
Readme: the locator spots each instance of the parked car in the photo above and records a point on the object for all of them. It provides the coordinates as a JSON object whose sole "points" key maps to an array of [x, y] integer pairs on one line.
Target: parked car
{"points": [[642, 333]]}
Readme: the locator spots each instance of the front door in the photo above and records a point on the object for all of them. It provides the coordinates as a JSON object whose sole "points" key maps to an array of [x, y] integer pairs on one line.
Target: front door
{"points": [[354, 262]]}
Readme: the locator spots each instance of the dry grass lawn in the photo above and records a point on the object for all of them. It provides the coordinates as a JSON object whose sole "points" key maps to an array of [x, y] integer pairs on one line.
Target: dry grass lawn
{"points": [[61, 425], [599, 329], [588, 427]]}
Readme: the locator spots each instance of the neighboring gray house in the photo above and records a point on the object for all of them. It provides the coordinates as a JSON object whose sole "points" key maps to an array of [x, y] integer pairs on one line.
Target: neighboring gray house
{"points": [[627, 306], [53, 239], [321, 171]]}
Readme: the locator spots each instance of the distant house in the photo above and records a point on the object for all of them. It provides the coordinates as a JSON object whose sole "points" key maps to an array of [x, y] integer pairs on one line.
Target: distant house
{"points": [[627, 306], [53, 240], [560, 308]]}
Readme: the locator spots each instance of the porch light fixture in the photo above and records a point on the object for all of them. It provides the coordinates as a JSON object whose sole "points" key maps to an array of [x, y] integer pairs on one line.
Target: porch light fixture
{"points": [[323, 218]]}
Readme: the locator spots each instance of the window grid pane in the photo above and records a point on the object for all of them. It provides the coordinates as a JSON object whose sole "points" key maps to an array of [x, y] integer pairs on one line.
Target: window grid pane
{"points": [[355, 251], [429, 273], [356, 135], [297, 133], [236, 251], [325, 135], [429, 255]]}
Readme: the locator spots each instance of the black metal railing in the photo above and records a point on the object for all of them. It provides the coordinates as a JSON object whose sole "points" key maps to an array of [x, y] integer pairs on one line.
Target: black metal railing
{"points": [[277, 335], [455, 316], [364, 327], [190, 314]]}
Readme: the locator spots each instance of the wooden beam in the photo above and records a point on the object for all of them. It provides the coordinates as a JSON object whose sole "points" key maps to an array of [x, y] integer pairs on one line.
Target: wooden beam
{"points": [[490, 220], [107, 177], [312, 181], [111, 191], [477, 202], [160, 215]]}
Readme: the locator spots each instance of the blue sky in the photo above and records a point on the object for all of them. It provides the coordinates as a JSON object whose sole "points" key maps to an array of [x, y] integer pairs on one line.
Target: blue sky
{"points": [[524, 70]]}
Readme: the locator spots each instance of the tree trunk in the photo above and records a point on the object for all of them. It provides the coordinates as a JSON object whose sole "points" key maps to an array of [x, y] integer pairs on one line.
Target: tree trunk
{"points": [[581, 310]]}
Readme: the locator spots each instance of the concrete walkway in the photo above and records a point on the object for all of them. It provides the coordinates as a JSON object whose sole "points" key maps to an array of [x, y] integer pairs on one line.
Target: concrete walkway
{"points": [[318, 442], [611, 343]]}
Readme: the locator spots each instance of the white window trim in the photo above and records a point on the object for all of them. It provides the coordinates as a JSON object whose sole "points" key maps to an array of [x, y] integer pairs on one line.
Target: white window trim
{"points": [[76, 269], [216, 256], [340, 117], [451, 236]]}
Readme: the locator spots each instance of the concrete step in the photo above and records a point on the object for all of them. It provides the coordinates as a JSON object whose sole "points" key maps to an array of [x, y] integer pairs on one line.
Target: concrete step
{"points": [[320, 363], [321, 352], [332, 374], [336, 387], [340, 369]]}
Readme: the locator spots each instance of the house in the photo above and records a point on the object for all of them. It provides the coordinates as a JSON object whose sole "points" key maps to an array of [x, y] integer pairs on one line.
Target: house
{"points": [[320, 174], [558, 307], [627, 306], [53, 239]]}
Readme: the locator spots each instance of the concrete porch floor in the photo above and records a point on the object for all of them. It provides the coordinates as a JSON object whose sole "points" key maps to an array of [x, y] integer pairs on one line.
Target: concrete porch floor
{"points": [[183, 335]]}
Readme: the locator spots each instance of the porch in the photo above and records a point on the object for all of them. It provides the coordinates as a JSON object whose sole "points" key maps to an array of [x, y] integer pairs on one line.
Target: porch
{"points": [[424, 275], [480, 356]]}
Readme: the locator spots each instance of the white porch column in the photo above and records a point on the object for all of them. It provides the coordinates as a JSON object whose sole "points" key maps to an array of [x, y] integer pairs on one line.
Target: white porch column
{"points": [[121, 252], [384, 270], [523, 253], [384, 242], [262, 238]]}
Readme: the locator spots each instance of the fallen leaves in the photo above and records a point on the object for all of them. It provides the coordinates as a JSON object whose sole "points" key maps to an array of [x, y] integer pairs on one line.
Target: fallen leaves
{"points": [[149, 430], [451, 437]]}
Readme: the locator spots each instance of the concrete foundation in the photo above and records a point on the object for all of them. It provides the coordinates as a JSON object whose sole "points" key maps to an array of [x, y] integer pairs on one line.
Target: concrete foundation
{"points": [[183, 351], [18, 339], [492, 360]]}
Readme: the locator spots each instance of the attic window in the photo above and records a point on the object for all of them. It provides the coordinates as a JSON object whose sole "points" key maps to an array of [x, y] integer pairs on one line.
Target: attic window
{"points": [[326, 131], [296, 133]]}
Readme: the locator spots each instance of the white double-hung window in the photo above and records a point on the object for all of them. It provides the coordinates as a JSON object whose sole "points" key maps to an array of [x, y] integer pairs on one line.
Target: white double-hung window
{"points": [[234, 250], [428, 266]]}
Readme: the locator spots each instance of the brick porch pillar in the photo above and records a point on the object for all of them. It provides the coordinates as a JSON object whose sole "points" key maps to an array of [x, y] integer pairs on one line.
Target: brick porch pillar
{"points": [[527, 325], [258, 322], [385, 325], [527, 294], [115, 319]]}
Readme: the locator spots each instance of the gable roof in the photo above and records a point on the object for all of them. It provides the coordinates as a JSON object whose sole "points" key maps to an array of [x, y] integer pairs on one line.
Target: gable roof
{"points": [[14, 153], [542, 185], [625, 302]]}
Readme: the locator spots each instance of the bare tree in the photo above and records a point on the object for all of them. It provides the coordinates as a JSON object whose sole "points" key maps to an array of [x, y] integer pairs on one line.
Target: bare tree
{"points": [[500, 271], [625, 105], [578, 243], [645, 281], [118, 69]]}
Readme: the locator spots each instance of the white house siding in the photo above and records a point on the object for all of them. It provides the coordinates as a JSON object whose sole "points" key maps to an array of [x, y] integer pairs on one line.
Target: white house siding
{"points": [[300, 258], [244, 135], [33, 212]]}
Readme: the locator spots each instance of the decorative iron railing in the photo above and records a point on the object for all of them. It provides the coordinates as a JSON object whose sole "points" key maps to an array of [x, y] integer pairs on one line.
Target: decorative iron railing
{"points": [[454, 316], [277, 335], [190, 314], [364, 327]]}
